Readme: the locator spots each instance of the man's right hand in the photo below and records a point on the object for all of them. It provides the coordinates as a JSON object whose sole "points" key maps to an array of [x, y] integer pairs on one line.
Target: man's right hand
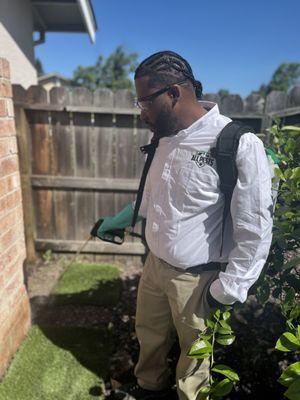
{"points": [[110, 227]]}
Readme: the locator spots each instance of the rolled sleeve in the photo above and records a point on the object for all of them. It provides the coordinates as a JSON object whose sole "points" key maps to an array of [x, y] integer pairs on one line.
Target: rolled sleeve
{"points": [[251, 211]]}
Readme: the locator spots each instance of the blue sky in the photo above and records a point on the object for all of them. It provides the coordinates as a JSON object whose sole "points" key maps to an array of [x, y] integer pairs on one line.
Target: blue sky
{"points": [[230, 44]]}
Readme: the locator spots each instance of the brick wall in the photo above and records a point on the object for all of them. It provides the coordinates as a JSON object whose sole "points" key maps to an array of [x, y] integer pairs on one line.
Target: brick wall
{"points": [[14, 305]]}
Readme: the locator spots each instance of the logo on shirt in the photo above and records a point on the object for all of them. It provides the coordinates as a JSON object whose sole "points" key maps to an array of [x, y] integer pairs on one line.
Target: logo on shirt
{"points": [[203, 157]]}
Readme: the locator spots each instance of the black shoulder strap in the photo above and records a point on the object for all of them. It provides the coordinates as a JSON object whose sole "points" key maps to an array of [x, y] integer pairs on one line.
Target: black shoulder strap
{"points": [[149, 149], [225, 154]]}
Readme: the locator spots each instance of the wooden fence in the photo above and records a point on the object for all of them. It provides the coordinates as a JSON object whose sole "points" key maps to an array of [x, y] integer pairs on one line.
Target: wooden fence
{"points": [[79, 158]]}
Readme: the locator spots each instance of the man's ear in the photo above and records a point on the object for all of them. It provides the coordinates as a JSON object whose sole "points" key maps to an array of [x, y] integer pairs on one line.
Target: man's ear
{"points": [[174, 92]]}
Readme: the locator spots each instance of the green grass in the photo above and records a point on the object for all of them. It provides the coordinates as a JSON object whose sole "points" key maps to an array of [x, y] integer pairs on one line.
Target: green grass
{"points": [[58, 364], [88, 284]]}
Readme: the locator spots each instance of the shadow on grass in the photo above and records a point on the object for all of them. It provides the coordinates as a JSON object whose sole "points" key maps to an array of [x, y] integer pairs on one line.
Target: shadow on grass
{"points": [[102, 294]]}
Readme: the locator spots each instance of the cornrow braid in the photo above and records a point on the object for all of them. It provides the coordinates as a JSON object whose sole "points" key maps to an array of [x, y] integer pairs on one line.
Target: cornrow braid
{"points": [[165, 67]]}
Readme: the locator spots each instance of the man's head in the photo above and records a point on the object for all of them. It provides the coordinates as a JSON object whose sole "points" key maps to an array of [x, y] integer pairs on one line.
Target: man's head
{"points": [[166, 88]]}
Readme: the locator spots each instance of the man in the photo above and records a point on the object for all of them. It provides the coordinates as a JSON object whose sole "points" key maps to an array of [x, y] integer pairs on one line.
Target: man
{"points": [[182, 281]]}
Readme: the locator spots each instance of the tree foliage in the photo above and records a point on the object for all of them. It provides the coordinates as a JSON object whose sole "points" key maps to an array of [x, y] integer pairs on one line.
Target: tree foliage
{"points": [[113, 72], [284, 78]]}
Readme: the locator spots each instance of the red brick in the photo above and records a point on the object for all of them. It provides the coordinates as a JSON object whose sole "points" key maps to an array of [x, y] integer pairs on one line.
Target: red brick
{"points": [[8, 146], [10, 201], [13, 336], [9, 165], [12, 235], [5, 88], [15, 264], [12, 218], [7, 127], [10, 107], [5, 354], [6, 258], [3, 314], [3, 108], [13, 285], [9, 183], [4, 68]]}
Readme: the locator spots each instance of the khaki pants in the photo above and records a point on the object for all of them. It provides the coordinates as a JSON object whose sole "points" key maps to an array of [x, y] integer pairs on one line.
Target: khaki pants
{"points": [[170, 300]]}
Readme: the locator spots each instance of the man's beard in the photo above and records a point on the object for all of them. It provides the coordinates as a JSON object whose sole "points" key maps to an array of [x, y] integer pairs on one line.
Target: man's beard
{"points": [[166, 124]]}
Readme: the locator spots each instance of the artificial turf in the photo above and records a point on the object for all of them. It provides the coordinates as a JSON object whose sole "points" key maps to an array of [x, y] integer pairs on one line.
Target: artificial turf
{"points": [[88, 284], [59, 364]]}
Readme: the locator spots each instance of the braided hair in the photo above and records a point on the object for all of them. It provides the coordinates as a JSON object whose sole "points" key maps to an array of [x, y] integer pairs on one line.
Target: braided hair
{"points": [[165, 68]]}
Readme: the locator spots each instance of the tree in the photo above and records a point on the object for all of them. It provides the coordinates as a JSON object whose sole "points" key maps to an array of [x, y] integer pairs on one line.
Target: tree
{"points": [[223, 92], [284, 78], [39, 67], [112, 73]]}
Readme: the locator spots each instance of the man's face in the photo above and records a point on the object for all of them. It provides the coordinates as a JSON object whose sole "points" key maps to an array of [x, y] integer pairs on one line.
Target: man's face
{"points": [[160, 115]]}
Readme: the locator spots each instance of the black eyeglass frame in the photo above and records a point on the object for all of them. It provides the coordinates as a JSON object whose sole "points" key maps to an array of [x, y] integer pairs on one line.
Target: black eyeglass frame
{"points": [[154, 95]]}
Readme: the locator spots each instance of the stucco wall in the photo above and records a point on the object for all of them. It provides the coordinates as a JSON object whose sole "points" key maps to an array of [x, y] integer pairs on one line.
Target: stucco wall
{"points": [[16, 42]]}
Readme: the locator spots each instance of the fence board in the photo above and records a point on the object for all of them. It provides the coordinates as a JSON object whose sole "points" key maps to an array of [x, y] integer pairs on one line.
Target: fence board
{"points": [[125, 148], [63, 164], [105, 159], [44, 213]]}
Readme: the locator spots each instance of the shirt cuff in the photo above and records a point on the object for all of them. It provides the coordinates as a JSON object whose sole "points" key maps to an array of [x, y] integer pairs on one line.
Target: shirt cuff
{"points": [[218, 293]]}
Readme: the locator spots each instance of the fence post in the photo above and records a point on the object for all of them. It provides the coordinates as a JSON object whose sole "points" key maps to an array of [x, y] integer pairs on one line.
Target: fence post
{"points": [[22, 131]]}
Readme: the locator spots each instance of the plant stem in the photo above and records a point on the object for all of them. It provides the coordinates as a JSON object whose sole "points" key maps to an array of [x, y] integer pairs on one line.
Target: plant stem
{"points": [[212, 353]]}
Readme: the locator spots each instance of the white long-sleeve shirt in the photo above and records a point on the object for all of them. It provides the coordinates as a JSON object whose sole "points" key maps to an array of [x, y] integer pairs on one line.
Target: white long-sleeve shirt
{"points": [[183, 205]]}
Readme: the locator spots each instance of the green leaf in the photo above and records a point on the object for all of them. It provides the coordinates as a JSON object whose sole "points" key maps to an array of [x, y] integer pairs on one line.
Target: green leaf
{"points": [[217, 314], [227, 371], [293, 392], [224, 324], [290, 128], [296, 174], [209, 323], [222, 388], [287, 342], [199, 347], [290, 324], [224, 331], [226, 315], [298, 331], [203, 393], [293, 282], [295, 312], [279, 173], [206, 337], [225, 340], [263, 293], [290, 296], [290, 374], [291, 264]]}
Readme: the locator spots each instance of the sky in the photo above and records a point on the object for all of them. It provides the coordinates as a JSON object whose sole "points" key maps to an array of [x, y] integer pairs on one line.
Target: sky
{"points": [[230, 44]]}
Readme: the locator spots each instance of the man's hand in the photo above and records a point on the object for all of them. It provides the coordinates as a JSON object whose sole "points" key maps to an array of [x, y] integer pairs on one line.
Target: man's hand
{"points": [[112, 229], [213, 303], [105, 230]]}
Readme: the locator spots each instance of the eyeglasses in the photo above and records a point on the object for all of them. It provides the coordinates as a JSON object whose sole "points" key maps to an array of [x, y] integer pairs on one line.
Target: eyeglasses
{"points": [[144, 103]]}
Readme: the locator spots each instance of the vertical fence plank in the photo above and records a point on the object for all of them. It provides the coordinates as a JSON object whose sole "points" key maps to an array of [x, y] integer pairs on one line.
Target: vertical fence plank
{"points": [[124, 150], [105, 158], [85, 162], [231, 104], [41, 148], [64, 164], [23, 137]]}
